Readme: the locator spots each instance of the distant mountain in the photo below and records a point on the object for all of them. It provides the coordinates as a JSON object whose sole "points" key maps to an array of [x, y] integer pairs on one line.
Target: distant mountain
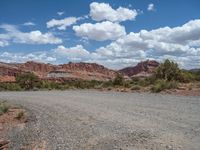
{"points": [[87, 71], [144, 68], [194, 70]]}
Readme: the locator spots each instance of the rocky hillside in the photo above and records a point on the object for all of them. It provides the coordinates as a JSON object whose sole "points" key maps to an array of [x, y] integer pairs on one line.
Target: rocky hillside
{"points": [[88, 71], [144, 68]]}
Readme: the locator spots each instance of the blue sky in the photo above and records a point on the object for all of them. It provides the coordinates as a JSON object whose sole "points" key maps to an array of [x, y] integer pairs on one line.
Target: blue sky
{"points": [[114, 33]]}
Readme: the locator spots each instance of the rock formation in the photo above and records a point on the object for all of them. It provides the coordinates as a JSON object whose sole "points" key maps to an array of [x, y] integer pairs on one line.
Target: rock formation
{"points": [[144, 68], [86, 71]]}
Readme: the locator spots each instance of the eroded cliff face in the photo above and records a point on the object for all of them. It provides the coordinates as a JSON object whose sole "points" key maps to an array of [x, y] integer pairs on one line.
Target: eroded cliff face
{"points": [[143, 68], [86, 71]]}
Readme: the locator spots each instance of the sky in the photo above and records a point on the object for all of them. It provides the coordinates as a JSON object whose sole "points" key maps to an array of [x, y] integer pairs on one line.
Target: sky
{"points": [[113, 33]]}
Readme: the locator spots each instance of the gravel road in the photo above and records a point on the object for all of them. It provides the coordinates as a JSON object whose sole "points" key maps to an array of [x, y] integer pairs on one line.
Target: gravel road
{"points": [[92, 120]]}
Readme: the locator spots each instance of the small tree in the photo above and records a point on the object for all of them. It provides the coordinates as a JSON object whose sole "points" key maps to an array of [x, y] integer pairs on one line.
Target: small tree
{"points": [[27, 81], [168, 71], [119, 80]]}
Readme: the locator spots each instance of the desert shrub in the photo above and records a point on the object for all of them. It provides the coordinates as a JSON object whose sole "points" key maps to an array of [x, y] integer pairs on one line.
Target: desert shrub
{"points": [[10, 87], [161, 85], [94, 83], [63, 87], [82, 84], [50, 85], [168, 71], [135, 79], [119, 80], [196, 75], [136, 87], [150, 80], [143, 82], [107, 84], [127, 84], [186, 76], [27, 81], [3, 108], [20, 115]]}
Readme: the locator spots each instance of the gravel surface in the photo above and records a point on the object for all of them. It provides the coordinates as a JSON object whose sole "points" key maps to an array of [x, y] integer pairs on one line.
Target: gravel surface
{"points": [[90, 119]]}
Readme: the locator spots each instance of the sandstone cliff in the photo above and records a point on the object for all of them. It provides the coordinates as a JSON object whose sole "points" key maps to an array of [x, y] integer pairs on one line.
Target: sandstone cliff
{"points": [[144, 68]]}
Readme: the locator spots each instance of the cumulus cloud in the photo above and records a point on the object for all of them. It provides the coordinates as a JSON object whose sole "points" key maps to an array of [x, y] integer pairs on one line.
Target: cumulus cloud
{"points": [[29, 23], [77, 53], [63, 23], [176, 43], [151, 7], [23, 57], [3, 43], [181, 44], [13, 34], [100, 31], [103, 11]]}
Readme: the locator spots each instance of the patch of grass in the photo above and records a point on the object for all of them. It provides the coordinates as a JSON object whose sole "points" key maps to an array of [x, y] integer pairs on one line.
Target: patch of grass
{"points": [[162, 85], [3, 108], [20, 115]]}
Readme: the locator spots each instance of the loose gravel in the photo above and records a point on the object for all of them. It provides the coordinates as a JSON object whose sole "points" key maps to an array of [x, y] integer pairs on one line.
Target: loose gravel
{"points": [[92, 120]]}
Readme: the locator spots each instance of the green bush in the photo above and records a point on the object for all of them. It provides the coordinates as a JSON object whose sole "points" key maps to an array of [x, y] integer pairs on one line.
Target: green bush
{"points": [[168, 71], [135, 79], [27, 81], [161, 85], [3, 108], [107, 84], [20, 115], [196, 75], [10, 87], [186, 76], [143, 82], [119, 80]]}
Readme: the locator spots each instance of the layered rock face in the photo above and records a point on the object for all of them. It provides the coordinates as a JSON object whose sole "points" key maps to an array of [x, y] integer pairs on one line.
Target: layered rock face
{"points": [[144, 68], [86, 71], [91, 70], [40, 69]]}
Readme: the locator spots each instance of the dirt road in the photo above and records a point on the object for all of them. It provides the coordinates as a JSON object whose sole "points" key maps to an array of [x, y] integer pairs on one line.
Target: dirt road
{"points": [[107, 120]]}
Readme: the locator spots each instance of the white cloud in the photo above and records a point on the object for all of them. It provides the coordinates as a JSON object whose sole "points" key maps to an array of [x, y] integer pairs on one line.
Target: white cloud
{"points": [[77, 53], [176, 43], [13, 34], [103, 11], [60, 13], [151, 7], [3, 43], [23, 57], [100, 31], [181, 44], [29, 23], [63, 23]]}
